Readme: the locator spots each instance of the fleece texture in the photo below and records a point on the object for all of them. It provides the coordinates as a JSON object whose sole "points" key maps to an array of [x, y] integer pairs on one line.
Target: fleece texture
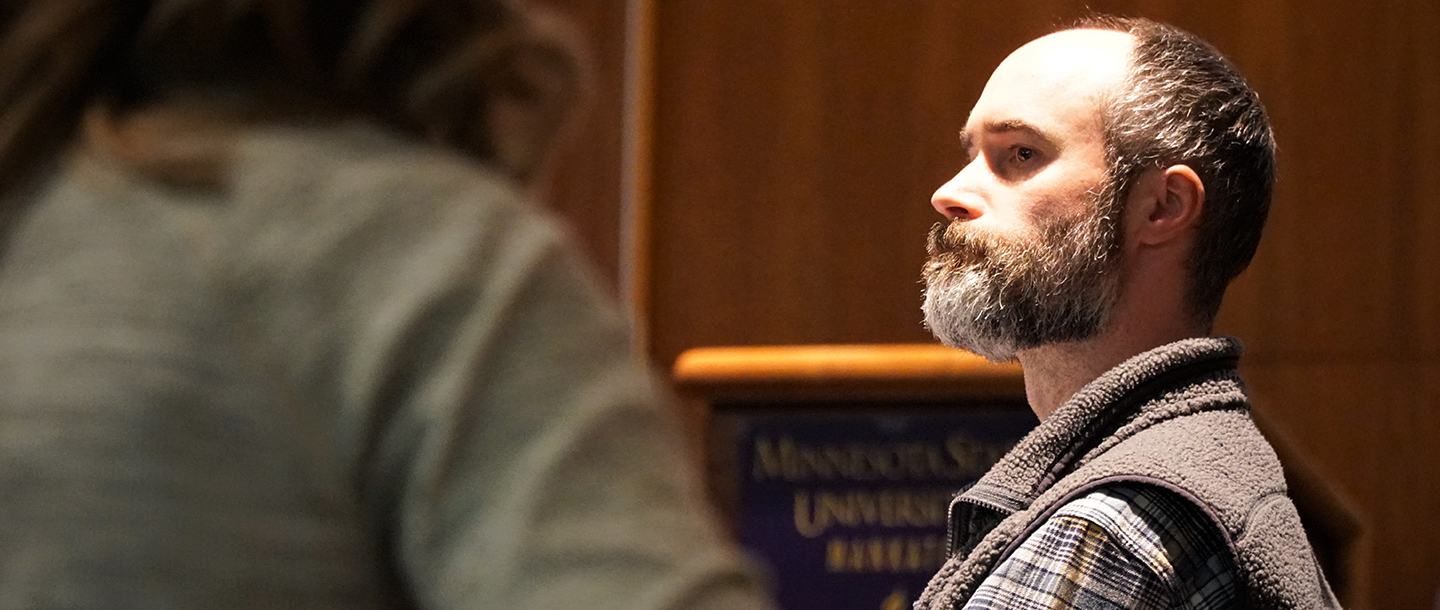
{"points": [[1175, 417]]}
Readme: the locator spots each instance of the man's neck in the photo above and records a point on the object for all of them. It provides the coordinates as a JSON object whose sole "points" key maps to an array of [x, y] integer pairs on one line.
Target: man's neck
{"points": [[1054, 372]]}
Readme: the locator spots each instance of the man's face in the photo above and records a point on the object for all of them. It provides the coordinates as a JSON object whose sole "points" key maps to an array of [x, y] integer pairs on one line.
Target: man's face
{"points": [[1030, 256]]}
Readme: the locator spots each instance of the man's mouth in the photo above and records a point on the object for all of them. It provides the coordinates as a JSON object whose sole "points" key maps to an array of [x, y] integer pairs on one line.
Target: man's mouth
{"points": [[953, 245]]}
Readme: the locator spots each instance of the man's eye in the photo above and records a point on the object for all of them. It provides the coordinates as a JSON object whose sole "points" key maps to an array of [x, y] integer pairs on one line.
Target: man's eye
{"points": [[1023, 154]]}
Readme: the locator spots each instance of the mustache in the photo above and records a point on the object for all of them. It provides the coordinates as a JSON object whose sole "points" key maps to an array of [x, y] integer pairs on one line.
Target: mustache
{"points": [[954, 243]]}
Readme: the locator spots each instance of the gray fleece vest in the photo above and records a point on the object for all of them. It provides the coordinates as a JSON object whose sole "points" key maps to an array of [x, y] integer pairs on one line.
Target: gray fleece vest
{"points": [[1176, 417]]}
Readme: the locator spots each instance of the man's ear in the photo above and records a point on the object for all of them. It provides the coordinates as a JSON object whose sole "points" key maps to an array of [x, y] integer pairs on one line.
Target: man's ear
{"points": [[1173, 206]]}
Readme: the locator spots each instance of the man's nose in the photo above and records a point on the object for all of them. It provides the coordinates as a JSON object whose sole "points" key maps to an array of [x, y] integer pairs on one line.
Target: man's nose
{"points": [[953, 201]]}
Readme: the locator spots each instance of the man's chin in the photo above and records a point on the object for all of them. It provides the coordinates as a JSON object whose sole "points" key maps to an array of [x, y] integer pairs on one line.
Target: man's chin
{"points": [[951, 315]]}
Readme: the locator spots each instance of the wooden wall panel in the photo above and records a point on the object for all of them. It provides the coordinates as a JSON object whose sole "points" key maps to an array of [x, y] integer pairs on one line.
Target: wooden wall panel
{"points": [[1411, 466], [796, 146], [1424, 146], [782, 134], [1342, 150]]}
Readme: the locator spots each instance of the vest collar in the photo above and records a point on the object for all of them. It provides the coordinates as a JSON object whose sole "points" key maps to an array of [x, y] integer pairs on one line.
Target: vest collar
{"points": [[1126, 399]]}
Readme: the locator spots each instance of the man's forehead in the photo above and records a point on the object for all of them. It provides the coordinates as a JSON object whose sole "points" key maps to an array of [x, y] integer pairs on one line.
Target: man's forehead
{"points": [[1054, 82]]}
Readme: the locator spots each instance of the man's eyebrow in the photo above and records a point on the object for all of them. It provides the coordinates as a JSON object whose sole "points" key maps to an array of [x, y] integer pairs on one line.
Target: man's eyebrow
{"points": [[967, 139], [1013, 125]]}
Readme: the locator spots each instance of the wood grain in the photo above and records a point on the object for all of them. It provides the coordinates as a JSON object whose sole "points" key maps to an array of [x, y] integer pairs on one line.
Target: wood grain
{"points": [[796, 146]]}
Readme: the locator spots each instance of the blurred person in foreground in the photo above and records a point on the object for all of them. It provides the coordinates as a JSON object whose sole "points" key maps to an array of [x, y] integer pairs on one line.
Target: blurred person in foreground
{"points": [[1119, 177], [278, 331]]}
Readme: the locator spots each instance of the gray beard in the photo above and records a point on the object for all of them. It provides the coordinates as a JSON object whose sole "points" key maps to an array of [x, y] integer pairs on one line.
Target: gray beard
{"points": [[997, 296], [957, 308]]}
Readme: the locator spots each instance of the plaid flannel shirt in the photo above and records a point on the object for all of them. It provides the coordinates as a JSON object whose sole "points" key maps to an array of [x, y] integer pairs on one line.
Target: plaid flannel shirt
{"points": [[1122, 546]]}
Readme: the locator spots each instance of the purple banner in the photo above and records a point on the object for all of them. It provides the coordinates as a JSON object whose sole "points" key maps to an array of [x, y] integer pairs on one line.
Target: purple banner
{"points": [[847, 507]]}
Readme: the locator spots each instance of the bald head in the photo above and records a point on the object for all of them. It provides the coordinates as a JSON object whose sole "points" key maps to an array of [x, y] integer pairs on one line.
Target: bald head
{"points": [[1055, 82], [1084, 59]]}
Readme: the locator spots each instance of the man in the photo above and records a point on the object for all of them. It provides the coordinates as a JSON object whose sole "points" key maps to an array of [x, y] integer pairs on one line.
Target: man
{"points": [[1119, 177], [278, 329]]}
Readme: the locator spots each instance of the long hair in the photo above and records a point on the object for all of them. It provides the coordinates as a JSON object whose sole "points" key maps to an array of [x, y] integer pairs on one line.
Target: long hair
{"points": [[487, 77]]}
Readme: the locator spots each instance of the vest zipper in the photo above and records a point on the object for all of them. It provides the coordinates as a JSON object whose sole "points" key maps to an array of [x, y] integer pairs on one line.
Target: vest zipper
{"points": [[952, 536]]}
